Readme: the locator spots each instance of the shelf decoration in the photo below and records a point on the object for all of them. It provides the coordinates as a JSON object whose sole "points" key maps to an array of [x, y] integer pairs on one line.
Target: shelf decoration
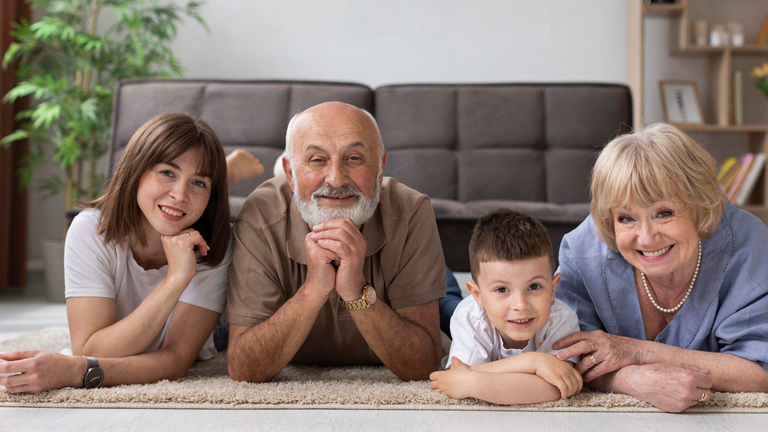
{"points": [[760, 73], [680, 100]]}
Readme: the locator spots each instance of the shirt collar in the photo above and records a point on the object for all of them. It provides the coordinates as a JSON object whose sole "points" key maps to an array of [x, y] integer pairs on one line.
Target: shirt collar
{"points": [[372, 229]]}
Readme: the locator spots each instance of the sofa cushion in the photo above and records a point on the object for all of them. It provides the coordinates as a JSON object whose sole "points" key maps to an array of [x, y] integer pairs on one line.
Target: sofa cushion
{"points": [[546, 213], [491, 117], [430, 171], [513, 174], [252, 115], [523, 142]]}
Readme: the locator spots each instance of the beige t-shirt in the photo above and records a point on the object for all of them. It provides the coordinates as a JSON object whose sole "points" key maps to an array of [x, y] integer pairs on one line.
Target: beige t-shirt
{"points": [[404, 263]]}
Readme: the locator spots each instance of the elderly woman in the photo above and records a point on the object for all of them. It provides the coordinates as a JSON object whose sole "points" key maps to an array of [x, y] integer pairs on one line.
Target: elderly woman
{"points": [[669, 280]]}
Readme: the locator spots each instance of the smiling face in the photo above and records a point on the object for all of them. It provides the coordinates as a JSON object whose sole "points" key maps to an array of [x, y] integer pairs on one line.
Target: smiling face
{"points": [[336, 171], [659, 240], [517, 297], [173, 195]]}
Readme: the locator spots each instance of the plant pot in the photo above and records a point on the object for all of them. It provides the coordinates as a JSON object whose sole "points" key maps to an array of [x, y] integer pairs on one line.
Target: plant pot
{"points": [[53, 261]]}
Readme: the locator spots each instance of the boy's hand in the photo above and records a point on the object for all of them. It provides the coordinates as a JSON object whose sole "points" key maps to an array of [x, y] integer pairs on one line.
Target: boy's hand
{"points": [[456, 382], [560, 374]]}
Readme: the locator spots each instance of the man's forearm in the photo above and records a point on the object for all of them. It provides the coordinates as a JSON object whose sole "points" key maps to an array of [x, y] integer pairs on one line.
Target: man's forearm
{"points": [[261, 352], [406, 348], [729, 373]]}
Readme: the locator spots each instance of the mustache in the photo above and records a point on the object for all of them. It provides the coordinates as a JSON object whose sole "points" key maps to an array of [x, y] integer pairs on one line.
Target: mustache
{"points": [[330, 190]]}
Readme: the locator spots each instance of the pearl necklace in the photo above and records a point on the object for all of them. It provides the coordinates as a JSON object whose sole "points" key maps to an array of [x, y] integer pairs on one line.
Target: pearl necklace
{"points": [[679, 305]]}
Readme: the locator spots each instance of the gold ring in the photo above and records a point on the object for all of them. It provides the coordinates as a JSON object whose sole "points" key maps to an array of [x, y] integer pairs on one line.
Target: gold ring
{"points": [[592, 344], [188, 234], [703, 395], [593, 360]]}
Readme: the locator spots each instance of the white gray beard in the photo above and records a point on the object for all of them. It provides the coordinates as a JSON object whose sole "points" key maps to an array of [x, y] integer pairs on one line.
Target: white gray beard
{"points": [[313, 214]]}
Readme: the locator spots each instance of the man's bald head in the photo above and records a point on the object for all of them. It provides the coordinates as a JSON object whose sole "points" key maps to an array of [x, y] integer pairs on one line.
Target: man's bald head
{"points": [[331, 113]]}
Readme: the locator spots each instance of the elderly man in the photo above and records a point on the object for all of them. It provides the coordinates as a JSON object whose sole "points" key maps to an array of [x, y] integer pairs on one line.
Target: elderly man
{"points": [[334, 264]]}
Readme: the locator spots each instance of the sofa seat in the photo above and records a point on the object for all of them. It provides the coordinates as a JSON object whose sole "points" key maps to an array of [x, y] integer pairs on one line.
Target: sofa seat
{"points": [[545, 212]]}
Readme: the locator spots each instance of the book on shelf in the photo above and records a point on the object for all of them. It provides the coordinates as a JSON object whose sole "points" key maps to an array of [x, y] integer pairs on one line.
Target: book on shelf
{"points": [[750, 180], [738, 98], [762, 37], [745, 161], [725, 167], [730, 176]]}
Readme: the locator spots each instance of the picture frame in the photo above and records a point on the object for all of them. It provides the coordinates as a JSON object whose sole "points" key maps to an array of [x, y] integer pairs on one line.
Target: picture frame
{"points": [[680, 101]]}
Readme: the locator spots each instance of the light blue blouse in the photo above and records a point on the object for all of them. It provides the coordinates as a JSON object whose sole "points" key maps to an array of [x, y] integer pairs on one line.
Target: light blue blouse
{"points": [[727, 310]]}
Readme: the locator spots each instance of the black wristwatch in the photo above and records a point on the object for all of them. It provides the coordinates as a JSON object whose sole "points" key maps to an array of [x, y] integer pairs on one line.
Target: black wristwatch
{"points": [[94, 376]]}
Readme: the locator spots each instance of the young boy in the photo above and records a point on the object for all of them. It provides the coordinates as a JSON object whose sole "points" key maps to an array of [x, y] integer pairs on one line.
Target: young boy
{"points": [[503, 335]]}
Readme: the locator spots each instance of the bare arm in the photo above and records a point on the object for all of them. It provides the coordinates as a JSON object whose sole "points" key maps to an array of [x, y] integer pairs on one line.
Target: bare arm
{"points": [[259, 353], [728, 372], [187, 332], [407, 340], [558, 373], [506, 388], [95, 331], [92, 321], [521, 363], [672, 387]]}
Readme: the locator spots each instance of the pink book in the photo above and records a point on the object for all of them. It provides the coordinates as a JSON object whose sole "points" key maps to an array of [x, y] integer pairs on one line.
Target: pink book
{"points": [[745, 162]]}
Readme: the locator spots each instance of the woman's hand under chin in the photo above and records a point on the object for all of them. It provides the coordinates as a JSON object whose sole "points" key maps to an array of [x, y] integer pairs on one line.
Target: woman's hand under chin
{"points": [[36, 371], [180, 252]]}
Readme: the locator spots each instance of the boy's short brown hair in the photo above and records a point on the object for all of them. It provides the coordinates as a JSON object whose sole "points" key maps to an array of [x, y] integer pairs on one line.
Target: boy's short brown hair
{"points": [[507, 235]]}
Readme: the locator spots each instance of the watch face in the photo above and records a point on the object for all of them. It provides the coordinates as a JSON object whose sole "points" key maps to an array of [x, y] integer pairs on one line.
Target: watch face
{"points": [[371, 294], [93, 378]]}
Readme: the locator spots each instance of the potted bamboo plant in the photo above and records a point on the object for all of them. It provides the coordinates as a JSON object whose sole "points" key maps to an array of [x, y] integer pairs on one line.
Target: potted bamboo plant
{"points": [[69, 67]]}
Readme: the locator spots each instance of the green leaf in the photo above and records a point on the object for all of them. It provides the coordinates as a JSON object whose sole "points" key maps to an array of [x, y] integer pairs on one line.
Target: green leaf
{"points": [[45, 114], [22, 89], [49, 187], [14, 136], [13, 49]]}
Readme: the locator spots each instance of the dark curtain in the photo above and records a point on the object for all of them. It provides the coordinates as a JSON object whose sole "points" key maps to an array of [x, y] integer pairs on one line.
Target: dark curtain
{"points": [[13, 202]]}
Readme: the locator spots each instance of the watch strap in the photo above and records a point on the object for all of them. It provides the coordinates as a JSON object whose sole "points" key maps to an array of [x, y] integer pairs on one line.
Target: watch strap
{"points": [[362, 303], [92, 363]]}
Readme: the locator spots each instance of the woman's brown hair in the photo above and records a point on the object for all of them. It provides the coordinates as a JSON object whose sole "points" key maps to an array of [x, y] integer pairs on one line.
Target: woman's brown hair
{"points": [[161, 140]]}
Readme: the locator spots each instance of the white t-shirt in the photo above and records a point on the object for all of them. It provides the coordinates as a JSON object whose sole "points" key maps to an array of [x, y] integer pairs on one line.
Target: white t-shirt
{"points": [[477, 341], [94, 270]]}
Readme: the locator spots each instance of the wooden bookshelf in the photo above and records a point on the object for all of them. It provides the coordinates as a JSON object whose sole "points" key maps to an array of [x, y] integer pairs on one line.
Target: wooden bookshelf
{"points": [[695, 127], [720, 94]]}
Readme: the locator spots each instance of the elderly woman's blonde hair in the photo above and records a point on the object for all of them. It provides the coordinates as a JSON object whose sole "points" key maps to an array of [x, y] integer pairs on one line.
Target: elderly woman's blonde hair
{"points": [[657, 163]]}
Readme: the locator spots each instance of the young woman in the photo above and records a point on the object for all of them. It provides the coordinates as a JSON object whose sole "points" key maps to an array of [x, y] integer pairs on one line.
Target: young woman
{"points": [[146, 265]]}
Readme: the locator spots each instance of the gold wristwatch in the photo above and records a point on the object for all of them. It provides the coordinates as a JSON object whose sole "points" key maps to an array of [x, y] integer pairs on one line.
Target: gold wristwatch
{"points": [[369, 298]]}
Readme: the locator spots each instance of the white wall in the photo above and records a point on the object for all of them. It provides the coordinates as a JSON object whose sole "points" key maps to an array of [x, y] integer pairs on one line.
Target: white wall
{"points": [[382, 42], [395, 41]]}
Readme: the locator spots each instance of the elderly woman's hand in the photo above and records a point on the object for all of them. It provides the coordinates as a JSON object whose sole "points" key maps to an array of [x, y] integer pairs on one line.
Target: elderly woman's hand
{"points": [[672, 387], [600, 352]]}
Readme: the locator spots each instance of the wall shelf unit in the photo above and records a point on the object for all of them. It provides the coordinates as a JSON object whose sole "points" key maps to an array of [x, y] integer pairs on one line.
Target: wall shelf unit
{"points": [[720, 61]]}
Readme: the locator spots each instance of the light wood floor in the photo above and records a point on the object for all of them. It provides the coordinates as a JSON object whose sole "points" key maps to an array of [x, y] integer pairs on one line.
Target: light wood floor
{"points": [[22, 311]]}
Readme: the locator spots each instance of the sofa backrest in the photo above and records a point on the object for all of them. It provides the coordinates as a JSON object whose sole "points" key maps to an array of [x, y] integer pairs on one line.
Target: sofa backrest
{"points": [[522, 142], [252, 115]]}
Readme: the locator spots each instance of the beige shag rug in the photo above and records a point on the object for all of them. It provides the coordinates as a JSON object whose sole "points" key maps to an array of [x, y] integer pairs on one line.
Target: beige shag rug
{"points": [[208, 386]]}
